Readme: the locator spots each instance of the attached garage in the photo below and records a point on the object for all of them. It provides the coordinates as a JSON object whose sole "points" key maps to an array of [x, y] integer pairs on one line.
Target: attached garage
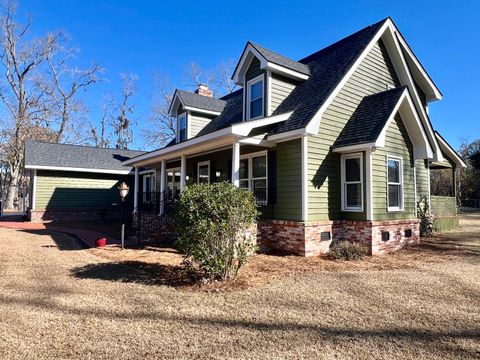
{"points": [[70, 182]]}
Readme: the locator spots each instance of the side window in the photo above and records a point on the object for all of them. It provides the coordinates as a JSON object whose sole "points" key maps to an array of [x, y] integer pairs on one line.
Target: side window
{"points": [[203, 172], [394, 184], [352, 182], [182, 127], [255, 96], [253, 176]]}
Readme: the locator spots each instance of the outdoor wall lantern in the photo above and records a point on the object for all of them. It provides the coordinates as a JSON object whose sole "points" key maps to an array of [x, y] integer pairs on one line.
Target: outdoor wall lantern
{"points": [[218, 173], [123, 190]]}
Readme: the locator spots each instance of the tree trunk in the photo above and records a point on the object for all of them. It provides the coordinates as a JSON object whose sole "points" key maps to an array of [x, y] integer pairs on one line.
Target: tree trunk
{"points": [[12, 191]]}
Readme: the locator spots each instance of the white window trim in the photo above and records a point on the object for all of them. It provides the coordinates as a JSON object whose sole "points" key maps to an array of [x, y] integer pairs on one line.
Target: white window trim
{"points": [[402, 197], [250, 172], [250, 83], [343, 182], [153, 185], [185, 113], [203, 163]]}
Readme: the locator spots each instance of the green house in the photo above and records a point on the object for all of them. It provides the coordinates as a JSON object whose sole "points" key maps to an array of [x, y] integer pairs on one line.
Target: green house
{"points": [[74, 183], [336, 146]]}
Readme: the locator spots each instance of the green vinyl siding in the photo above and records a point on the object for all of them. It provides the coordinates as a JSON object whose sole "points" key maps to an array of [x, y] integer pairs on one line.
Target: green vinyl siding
{"points": [[397, 144], [281, 87], [324, 197], [289, 180], [76, 190], [421, 168]]}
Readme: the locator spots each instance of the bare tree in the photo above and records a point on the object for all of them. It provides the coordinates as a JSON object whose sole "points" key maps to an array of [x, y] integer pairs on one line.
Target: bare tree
{"points": [[66, 82], [223, 78], [161, 127], [122, 123], [101, 137], [20, 58]]}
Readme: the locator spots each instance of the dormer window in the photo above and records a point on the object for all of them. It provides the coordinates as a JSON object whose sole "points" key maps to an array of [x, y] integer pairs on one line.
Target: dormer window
{"points": [[255, 104], [182, 127]]}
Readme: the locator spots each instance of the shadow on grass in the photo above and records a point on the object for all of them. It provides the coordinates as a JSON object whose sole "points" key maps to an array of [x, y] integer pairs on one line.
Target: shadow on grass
{"points": [[450, 246], [138, 272], [64, 242]]}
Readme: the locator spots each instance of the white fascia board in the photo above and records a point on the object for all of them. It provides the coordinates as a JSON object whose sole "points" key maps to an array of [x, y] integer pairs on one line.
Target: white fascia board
{"points": [[451, 152], [172, 103], [353, 148], [402, 69], [286, 71], [244, 128], [437, 95], [246, 58], [413, 125], [88, 170], [288, 135], [177, 147], [314, 123], [256, 140], [204, 111], [237, 130]]}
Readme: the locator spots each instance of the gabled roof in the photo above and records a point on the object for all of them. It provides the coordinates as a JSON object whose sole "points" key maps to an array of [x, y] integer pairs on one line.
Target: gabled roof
{"points": [[196, 102], [368, 125], [232, 113], [276, 58], [51, 156], [269, 60], [369, 119], [449, 151], [328, 67]]}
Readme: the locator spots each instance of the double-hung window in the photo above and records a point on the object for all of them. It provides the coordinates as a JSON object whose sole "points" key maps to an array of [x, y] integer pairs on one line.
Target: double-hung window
{"points": [[148, 187], [255, 103], [395, 184], [253, 175], [182, 127], [203, 172], [352, 182]]}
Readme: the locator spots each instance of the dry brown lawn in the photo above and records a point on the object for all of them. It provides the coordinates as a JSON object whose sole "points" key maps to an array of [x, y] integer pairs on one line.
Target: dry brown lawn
{"points": [[58, 301]]}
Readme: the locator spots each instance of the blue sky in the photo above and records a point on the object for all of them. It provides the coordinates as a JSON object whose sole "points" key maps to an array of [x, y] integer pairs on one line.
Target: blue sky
{"points": [[145, 37]]}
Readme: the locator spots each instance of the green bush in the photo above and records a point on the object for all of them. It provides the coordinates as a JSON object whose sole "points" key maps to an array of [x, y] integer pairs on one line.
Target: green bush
{"points": [[214, 225], [345, 250]]}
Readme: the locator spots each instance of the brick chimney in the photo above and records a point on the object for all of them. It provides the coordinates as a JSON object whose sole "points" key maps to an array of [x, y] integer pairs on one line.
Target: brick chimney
{"points": [[204, 90]]}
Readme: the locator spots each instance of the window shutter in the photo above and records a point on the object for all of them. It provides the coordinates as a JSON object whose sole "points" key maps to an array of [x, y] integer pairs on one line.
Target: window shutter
{"points": [[229, 175], [195, 173], [213, 170], [272, 177]]}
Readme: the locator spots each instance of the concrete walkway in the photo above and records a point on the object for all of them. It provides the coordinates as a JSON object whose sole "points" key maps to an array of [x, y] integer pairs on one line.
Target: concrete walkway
{"points": [[87, 237]]}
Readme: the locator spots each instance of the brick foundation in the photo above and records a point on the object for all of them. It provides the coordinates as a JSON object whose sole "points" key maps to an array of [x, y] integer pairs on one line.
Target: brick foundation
{"points": [[305, 239], [40, 216]]}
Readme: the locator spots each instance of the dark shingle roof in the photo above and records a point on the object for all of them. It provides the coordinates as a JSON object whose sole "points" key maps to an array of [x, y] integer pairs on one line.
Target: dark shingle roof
{"points": [[232, 113], [278, 59], [370, 117], [200, 101], [75, 156], [328, 67]]}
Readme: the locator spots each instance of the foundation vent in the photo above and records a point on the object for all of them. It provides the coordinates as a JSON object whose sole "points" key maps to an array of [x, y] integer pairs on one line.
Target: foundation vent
{"points": [[385, 235], [325, 235]]}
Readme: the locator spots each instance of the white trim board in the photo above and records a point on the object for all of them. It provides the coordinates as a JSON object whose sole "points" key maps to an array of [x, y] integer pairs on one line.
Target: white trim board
{"points": [[387, 34], [88, 170]]}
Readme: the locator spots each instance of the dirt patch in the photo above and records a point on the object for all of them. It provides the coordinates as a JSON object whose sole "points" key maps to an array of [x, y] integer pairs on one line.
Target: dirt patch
{"points": [[164, 265]]}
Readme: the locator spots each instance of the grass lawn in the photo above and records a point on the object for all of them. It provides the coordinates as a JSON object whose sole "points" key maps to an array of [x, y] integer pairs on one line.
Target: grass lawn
{"points": [[58, 301]]}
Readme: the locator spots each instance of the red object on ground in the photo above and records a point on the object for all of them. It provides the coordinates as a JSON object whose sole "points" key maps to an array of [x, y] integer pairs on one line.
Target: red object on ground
{"points": [[101, 242]]}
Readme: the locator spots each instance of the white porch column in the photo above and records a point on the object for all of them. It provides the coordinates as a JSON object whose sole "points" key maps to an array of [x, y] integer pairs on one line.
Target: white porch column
{"points": [[368, 183], [135, 191], [163, 180], [183, 172], [236, 164], [34, 189]]}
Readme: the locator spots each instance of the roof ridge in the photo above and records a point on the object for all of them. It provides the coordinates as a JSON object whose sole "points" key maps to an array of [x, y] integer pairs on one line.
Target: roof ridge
{"points": [[78, 145], [344, 38]]}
